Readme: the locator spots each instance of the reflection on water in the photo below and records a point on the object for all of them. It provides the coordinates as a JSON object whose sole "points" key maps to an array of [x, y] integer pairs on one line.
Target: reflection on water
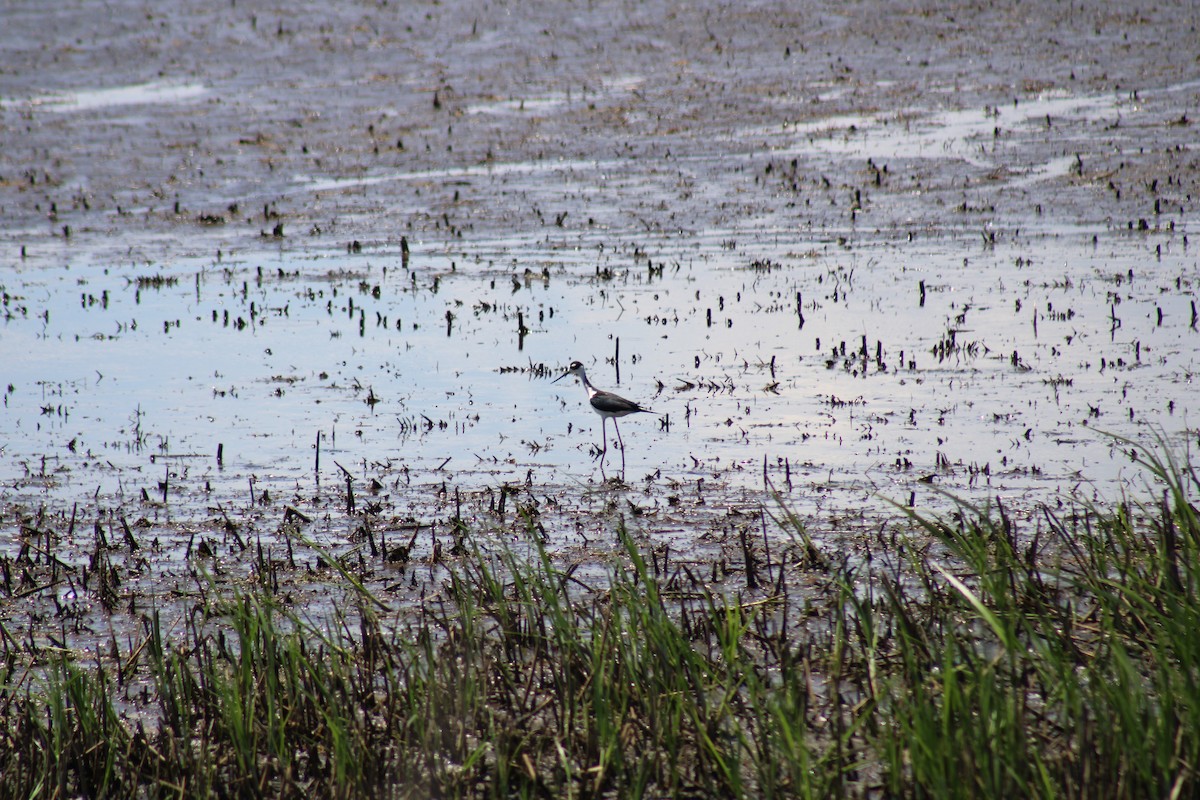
{"points": [[870, 369], [140, 94]]}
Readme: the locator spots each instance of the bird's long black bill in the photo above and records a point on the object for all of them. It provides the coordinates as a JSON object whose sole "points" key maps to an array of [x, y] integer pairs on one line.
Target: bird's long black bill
{"points": [[560, 377]]}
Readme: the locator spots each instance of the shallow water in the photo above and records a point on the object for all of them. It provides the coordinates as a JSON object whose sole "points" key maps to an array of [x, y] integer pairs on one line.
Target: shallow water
{"points": [[1009, 363]]}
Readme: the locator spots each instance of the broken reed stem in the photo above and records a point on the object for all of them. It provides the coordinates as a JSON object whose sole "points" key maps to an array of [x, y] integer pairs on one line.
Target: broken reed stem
{"points": [[751, 575], [617, 359]]}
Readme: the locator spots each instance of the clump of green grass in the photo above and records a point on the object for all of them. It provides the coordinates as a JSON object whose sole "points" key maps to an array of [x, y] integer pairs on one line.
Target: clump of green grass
{"points": [[519, 681], [1065, 663], [993, 661]]}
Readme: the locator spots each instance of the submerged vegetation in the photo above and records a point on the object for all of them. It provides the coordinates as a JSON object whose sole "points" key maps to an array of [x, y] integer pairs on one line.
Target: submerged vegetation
{"points": [[977, 659]]}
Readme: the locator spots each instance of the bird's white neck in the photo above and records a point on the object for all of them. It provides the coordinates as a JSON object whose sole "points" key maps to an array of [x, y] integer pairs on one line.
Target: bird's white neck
{"points": [[587, 385]]}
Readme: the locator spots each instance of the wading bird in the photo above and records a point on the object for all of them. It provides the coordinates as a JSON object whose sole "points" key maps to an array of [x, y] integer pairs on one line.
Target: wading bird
{"points": [[606, 404]]}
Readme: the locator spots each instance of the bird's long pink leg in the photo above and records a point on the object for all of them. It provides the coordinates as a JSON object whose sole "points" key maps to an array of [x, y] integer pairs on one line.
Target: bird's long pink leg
{"points": [[621, 442]]}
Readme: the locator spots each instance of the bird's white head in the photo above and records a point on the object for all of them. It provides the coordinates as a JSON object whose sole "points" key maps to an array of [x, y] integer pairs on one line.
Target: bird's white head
{"points": [[576, 369]]}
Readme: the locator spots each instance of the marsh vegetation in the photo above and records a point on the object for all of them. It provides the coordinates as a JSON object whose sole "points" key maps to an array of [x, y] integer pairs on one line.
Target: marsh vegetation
{"points": [[968, 656]]}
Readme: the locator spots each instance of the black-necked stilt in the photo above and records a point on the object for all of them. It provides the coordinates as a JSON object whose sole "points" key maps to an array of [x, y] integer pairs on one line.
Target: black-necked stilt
{"points": [[606, 404]]}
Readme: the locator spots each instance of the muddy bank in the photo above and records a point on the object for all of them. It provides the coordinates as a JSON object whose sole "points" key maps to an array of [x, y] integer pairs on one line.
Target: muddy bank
{"points": [[445, 122]]}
